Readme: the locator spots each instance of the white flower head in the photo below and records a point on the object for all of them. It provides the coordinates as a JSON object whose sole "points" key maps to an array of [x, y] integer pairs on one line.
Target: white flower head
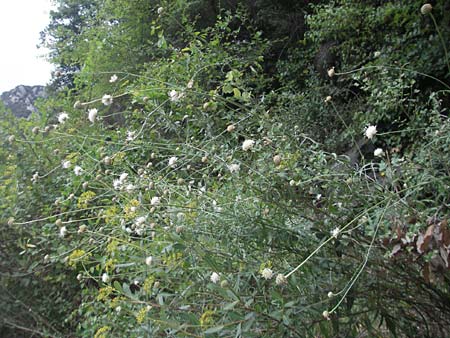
{"points": [[331, 72], [149, 260], [267, 273], [129, 188], [215, 277], [370, 132], [173, 161], [92, 114], [155, 201], [335, 232], [378, 152], [123, 177], [62, 117], [160, 10], [175, 96], [117, 184], [66, 164], [281, 279], [234, 168], [247, 145], [131, 135], [107, 100], [113, 78], [105, 278], [35, 177], [190, 84], [62, 232], [78, 170], [140, 220]]}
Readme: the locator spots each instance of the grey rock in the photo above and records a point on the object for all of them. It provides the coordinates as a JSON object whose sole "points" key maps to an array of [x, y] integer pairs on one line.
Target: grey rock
{"points": [[20, 100]]}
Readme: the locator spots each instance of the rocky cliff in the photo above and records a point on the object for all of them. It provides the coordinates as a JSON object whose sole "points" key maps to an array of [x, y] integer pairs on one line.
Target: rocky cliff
{"points": [[21, 99]]}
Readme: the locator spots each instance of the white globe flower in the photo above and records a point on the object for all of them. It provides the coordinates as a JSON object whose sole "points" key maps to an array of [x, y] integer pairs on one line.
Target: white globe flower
{"points": [[62, 117], [331, 72], [92, 114], [234, 168], [113, 78], [370, 132], [105, 278], [173, 162], [107, 100], [149, 260], [63, 232], [215, 278], [281, 279], [175, 96], [78, 170], [378, 152], [267, 273], [66, 164], [247, 145], [155, 200], [335, 232]]}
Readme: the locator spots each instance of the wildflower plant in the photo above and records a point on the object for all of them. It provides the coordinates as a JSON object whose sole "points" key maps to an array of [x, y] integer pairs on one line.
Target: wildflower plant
{"points": [[217, 204]]}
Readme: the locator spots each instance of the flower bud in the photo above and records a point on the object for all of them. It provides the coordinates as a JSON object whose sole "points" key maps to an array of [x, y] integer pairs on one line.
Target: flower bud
{"points": [[231, 128], [277, 160], [107, 160], [426, 9]]}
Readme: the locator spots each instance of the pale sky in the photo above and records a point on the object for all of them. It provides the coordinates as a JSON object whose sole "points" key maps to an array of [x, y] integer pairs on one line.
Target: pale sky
{"points": [[20, 61]]}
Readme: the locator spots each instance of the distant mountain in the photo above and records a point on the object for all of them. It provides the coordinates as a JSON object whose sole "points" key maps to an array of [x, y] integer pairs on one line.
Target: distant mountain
{"points": [[21, 99]]}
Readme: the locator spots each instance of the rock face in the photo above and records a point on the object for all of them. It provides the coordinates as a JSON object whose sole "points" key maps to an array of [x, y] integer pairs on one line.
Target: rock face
{"points": [[21, 99]]}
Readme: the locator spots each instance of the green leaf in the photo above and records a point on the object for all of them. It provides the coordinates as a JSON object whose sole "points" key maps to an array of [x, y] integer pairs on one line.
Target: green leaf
{"points": [[230, 306], [214, 329], [227, 89]]}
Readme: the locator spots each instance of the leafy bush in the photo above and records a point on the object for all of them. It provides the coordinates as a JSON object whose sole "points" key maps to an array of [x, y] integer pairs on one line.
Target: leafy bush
{"points": [[180, 187]]}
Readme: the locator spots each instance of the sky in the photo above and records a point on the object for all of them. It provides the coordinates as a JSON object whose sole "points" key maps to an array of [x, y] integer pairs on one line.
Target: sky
{"points": [[21, 62]]}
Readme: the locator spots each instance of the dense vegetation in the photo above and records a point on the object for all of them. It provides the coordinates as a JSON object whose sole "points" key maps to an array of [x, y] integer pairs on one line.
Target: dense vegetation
{"points": [[232, 168]]}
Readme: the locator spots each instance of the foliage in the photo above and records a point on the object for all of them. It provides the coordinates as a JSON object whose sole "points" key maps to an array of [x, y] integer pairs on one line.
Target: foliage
{"points": [[184, 181]]}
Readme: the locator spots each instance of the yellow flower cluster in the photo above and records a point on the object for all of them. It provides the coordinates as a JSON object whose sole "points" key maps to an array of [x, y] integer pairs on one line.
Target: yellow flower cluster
{"points": [[148, 283], [140, 316], [84, 199], [105, 292], [76, 256], [101, 332]]}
